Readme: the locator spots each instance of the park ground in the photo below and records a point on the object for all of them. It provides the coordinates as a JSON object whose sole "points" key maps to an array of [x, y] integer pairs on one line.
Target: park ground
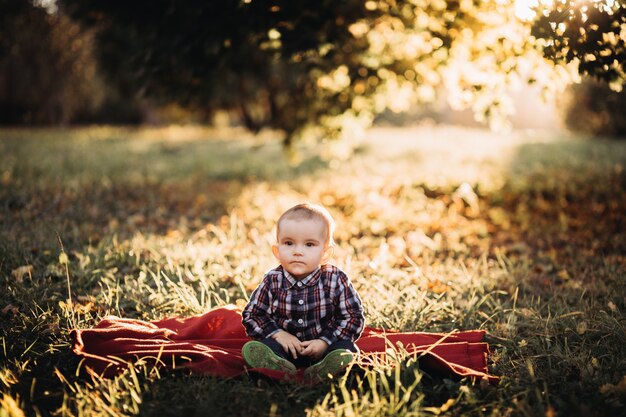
{"points": [[440, 228]]}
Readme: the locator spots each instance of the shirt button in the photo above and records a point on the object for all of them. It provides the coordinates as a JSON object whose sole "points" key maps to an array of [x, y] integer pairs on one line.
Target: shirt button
{"points": [[301, 302], [299, 334], [300, 321], [299, 284]]}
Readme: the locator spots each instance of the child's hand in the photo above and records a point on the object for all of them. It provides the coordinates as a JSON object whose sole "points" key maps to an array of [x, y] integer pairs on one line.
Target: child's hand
{"points": [[314, 348], [289, 342]]}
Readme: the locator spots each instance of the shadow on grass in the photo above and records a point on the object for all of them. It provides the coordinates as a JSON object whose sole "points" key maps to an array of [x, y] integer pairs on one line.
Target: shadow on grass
{"points": [[565, 202], [559, 224], [187, 395], [88, 189]]}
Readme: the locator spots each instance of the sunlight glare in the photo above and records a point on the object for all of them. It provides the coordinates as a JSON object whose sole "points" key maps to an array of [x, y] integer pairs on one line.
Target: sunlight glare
{"points": [[524, 9], [49, 5]]}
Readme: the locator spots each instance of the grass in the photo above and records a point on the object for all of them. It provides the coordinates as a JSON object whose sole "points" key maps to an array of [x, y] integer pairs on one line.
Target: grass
{"points": [[440, 228]]}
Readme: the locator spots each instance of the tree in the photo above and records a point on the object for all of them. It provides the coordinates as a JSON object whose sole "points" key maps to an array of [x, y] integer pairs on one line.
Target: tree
{"points": [[592, 108], [590, 33], [321, 66], [47, 72]]}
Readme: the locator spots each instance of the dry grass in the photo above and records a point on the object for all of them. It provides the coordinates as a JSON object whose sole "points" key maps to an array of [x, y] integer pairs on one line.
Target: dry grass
{"points": [[176, 221]]}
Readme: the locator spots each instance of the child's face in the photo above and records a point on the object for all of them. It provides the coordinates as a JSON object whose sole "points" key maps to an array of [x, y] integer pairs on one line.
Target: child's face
{"points": [[301, 246]]}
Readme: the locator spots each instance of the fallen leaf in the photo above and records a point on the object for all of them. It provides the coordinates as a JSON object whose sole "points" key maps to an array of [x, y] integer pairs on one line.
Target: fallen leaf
{"points": [[618, 390], [51, 328], [83, 308], [466, 194], [563, 274], [63, 259], [581, 328], [10, 309], [437, 286], [18, 273]]}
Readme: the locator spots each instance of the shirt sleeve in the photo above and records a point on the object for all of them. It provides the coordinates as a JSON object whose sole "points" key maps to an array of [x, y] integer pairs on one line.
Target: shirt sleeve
{"points": [[257, 315], [348, 319]]}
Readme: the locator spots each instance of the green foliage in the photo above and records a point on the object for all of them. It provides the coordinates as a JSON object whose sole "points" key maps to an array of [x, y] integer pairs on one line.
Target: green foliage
{"points": [[310, 65], [311, 68], [590, 33]]}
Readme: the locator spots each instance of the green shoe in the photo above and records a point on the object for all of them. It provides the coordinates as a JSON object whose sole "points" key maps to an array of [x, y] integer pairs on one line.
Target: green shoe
{"points": [[332, 364], [259, 355]]}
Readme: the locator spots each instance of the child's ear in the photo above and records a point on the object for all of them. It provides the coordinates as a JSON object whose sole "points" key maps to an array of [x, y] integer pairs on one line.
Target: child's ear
{"points": [[275, 251], [328, 253]]}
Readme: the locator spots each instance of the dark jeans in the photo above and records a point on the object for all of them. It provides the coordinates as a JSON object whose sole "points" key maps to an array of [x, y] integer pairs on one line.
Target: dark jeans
{"points": [[305, 361]]}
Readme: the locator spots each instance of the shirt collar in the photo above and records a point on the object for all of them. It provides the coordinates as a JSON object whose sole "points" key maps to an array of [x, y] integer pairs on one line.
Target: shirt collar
{"points": [[307, 281]]}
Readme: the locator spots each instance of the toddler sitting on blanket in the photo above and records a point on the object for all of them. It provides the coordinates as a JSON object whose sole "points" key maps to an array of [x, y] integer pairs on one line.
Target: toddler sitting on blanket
{"points": [[305, 313]]}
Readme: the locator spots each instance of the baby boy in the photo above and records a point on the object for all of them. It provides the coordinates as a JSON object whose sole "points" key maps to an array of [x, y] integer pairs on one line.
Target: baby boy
{"points": [[305, 313]]}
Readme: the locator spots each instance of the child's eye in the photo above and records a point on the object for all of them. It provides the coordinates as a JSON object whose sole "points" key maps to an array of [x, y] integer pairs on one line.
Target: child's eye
{"points": [[310, 244], [288, 243]]}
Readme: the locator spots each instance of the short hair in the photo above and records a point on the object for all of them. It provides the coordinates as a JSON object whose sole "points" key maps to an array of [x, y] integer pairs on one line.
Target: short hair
{"points": [[310, 211]]}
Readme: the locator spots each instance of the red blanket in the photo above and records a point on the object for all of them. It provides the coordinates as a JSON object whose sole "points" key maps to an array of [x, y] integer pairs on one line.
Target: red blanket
{"points": [[211, 344]]}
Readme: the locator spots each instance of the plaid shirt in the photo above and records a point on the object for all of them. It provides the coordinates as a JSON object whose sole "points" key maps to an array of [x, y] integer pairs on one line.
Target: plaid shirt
{"points": [[324, 305]]}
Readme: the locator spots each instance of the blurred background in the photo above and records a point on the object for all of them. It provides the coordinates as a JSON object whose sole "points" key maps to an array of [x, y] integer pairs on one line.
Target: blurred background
{"points": [[315, 69]]}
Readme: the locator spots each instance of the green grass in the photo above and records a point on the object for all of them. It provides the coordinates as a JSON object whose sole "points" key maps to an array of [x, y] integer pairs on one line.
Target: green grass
{"points": [[176, 221]]}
